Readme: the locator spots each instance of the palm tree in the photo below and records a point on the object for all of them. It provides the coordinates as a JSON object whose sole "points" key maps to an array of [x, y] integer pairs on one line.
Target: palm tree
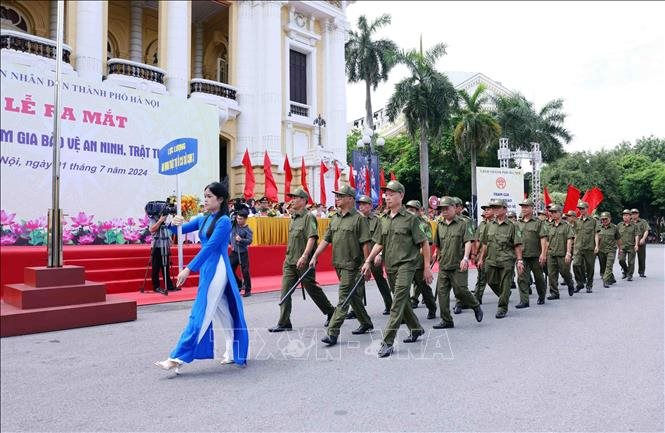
{"points": [[369, 60], [475, 130], [427, 99], [522, 124]]}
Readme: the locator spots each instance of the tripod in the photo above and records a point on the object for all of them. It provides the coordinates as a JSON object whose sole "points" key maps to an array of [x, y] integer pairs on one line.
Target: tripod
{"points": [[164, 251]]}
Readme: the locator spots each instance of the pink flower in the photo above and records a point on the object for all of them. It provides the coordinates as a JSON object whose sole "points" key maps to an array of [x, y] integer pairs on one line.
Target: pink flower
{"points": [[6, 219], [144, 222], [148, 239], [8, 240], [130, 235], [35, 224], [16, 229], [82, 220], [67, 236], [130, 222], [118, 223], [105, 226], [86, 239]]}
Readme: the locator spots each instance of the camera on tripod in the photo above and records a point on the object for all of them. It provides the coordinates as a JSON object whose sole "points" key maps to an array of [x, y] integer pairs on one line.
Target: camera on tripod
{"points": [[156, 209]]}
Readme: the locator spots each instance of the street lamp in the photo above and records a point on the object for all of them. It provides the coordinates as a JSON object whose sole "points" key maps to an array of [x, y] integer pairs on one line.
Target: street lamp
{"points": [[320, 122]]}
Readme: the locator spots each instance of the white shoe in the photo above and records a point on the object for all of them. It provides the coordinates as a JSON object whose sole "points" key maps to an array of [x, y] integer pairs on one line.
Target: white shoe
{"points": [[169, 365], [225, 361]]}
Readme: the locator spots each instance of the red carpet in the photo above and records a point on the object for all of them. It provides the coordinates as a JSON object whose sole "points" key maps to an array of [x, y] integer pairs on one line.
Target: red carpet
{"points": [[122, 268]]}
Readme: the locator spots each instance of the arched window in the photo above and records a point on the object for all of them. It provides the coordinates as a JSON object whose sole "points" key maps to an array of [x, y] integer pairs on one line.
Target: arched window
{"points": [[12, 19], [151, 54], [222, 64], [111, 47]]}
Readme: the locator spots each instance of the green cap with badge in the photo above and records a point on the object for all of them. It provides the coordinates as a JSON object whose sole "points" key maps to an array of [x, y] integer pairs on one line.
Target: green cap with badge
{"points": [[605, 215], [498, 202], [346, 190], [446, 201], [458, 201], [626, 212], [582, 205], [364, 199], [633, 210], [394, 185], [555, 208], [527, 202], [415, 204], [299, 192]]}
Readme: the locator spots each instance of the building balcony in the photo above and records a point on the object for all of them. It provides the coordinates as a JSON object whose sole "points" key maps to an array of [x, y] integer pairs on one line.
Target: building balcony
{"points": [[220, 95], [298, 109], [133, 75], [32, 51]]}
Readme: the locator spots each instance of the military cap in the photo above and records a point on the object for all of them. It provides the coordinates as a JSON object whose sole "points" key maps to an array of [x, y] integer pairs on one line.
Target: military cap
{"points": [[555, 208], [414, 204], [633, 210], [542, 212], [527, 202], [482, 206], [299, 192], [511, 214], [582, 205], [364, 199], [446, 201], [394, 185], [498, 202], [605, 215], [346, 190], [626, 212], [571, 213], [458, 201]]}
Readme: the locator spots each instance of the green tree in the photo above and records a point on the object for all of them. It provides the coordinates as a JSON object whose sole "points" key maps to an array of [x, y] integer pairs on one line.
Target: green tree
{"points": [[475, 129], [522, 124], [427, 99], [369, 60]]}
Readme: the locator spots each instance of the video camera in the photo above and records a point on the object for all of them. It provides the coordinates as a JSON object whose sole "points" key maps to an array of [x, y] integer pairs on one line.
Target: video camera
{"points": [[156, 209]]}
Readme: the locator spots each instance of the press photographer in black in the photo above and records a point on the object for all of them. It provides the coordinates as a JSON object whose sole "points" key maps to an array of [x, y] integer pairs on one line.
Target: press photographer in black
{"points": [[160, 253], [241, 238]]}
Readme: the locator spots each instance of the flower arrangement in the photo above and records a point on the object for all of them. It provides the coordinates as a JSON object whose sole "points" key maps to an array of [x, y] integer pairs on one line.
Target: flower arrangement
{"points": [[190, 206]]}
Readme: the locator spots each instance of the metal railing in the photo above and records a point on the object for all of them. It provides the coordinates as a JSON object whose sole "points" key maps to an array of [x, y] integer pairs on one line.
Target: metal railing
{"points": [[27, 43], [212, 88], [137, 70]]}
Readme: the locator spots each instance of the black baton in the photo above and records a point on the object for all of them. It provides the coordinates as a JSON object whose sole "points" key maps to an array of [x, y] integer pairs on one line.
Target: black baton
{"points": [[292, 289], [353, 290]]}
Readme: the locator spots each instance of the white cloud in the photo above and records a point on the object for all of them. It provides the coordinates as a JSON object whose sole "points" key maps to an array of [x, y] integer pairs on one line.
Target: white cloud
{"points": [[605, 59]]}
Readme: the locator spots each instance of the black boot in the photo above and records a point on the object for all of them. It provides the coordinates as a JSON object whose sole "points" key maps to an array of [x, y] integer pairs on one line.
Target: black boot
{"points": [[330, 340], [351, 315], [362, 329], [413, 337], [479, 313]]}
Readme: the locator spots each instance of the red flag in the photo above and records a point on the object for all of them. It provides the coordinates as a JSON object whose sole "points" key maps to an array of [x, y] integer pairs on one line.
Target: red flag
{"points": [[593, 197], [322, 180], [572, 197], [249, 176], [368, 181], [392, 176], [546, 196], [352, 179], [382, 184], [288, 176], [303, 180], [338, 173], [271, 186]]}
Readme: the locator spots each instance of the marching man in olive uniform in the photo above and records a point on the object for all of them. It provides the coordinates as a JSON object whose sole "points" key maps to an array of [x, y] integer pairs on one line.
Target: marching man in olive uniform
{"points": [[348, 233], [609, 240], [534, 254], [303, 233], [559, 253], [502, 245], [630, 239], [454, 238], [586, 242], [402, 240], [643, 232], [481, 281], [421, 287], [365, 208]]}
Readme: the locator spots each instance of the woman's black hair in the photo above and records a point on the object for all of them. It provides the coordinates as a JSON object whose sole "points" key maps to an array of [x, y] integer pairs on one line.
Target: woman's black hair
{"points": [[219, 190]]}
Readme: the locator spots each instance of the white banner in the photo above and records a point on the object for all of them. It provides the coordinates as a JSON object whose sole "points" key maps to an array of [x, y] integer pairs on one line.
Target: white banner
{"points": [[503, 183], [110, 142]]}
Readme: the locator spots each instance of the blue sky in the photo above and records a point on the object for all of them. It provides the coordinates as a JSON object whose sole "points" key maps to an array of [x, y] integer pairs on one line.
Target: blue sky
{"points": [[605, 59]]}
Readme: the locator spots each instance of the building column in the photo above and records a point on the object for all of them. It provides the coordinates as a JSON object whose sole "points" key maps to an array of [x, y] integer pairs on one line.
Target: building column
{"points": [[271, 82], [246, 78], [54, 20], [336, 84], [198, 51], [175, 45], [136, 33], [90, 39]]}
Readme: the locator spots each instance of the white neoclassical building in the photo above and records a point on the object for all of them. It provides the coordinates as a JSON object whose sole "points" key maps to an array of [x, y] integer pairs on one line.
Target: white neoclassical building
{"points": [[270, 67]]}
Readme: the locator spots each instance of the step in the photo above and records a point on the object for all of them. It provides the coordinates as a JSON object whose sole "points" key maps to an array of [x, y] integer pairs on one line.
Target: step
{"points": [[134, 284], [117, 262], [107, 275], [105, 251], [29, 297], [42, 276], [14, 321]]}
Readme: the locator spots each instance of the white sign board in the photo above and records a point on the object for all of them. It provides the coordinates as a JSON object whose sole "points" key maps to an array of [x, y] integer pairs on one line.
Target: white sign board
{"points": [[503, 183]]}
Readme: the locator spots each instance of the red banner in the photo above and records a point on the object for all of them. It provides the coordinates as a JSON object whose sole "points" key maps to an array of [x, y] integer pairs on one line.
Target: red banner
{"points": [[352, 179], [593, 197], [271, 185], [546, 197], [288, 176], [249, 176], [392, 176], [572, 197], [338, 174], [322, 181], [382, 184], [303, 180]]}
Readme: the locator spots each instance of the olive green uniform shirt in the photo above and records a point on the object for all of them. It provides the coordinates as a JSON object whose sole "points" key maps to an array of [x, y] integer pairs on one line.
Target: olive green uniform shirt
{"points": [[607, 238], [585, 229], [628, 233], [501, 239], [401, 237], [347, 233], [558, 235], [642, 226], [450, 241], [532, 231], [303, 226]]}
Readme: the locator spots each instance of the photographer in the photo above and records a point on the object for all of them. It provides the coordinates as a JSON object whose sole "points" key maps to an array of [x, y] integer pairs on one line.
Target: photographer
{"points": [[161, 247], [241, 237]]}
